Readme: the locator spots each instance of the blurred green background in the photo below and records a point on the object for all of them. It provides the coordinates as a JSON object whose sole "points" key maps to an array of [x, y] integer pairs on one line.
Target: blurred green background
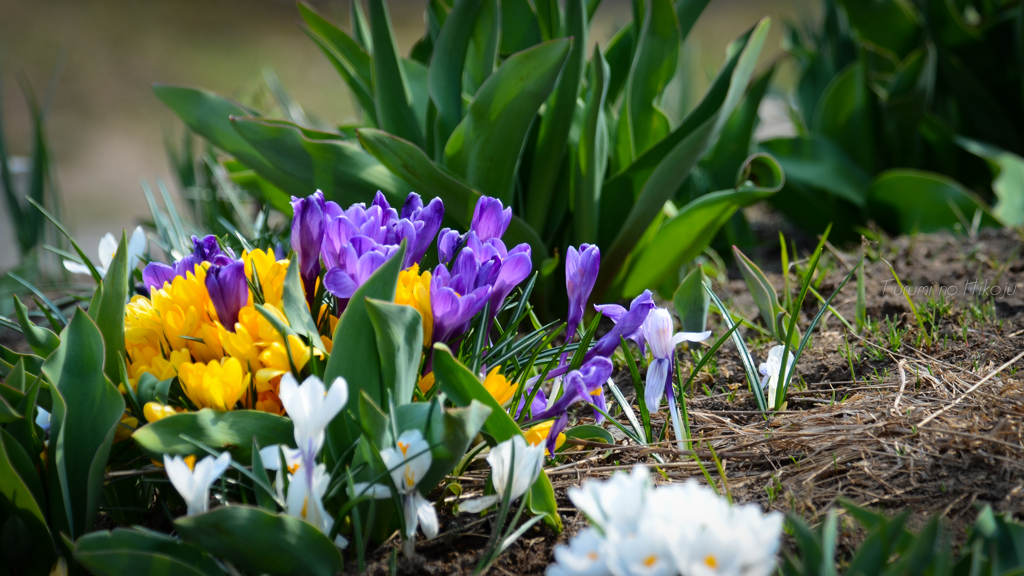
{"points": [[106, 128]]}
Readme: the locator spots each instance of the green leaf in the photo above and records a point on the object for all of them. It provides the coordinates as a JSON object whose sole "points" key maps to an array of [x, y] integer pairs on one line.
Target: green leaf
{"points": [[734, 144], [654, 65], [209, 115], [21, 496], [390, 88], [344, 171], [909, 201], [293, 304], [590, 432], [890, 24], [1008, 180], [482, 53], [109, 315], [355, 355], [463, 388], [485, 147], [86, 412], [592, 154], [259, 542], [444, 80], [259, 472], [844, 115], [817, 162], [684, 236], [9, 358], [399, 332], [411, 164], [520, 28], [553, 133], [655, 176], [761, 290], [232, 431], [41, 340], [150, 389], [448, 431], [688, 11], [692, 302], [132, 551], [7, 412]]}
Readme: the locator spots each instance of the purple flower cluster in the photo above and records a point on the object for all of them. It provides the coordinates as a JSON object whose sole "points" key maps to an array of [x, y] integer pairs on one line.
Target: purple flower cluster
{"points": [[352, 244], [205, 249]]}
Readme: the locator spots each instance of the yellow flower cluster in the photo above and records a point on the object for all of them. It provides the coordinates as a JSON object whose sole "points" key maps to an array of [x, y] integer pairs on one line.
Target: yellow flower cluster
{"points": [[176, 332], [414, 290]]}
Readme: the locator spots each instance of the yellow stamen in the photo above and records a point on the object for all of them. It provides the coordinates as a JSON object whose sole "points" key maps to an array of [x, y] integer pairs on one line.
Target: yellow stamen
{"points": [[293, 468], [650, 561], [592, 555], [410, 479], [710, 561], [403, 447], [191, 462], [305, 503]]}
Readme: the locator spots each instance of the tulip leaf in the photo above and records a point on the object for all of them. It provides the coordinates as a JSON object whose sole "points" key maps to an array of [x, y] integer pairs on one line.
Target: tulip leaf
{"points": [[444, 80], [844, 114], [233, 431], [449, 432], [632, 199], [485, 147], [41, 340], [7, 412], [1008, 180], [432, 181], [86, 412], [890, 24], [399, 332], [482, 51], [109, 315], [21, 496], [391, 92], [344, 171], [817, 162], [151, 389], [590, 432], [685, 235], [692, 302], [463, 389], [654, 65], [910, 201], [293, 304], [355, 355], [520, 28], [9, 358], [209, 115], [260, 542], [592, 159], [133, 551], [553, 133]]}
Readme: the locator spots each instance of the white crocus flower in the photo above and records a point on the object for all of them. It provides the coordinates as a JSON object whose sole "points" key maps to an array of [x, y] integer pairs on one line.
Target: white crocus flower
{"points": [[619, 500], [194, 485], [512, 457], [770, 372], [306, 489], [311, 408], [647, 552], [43, 419], [657, 331], [586, 555], [408, 463], [107, 249], [271, 458]]}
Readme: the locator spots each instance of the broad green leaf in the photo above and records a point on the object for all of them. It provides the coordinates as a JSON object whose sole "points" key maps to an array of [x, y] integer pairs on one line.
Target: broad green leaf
{"points": [[817, 162], [692, 301], [448, 431], [907, 96], [41, 340], [520, 28], [150, 389], [259, 472], [259, 542], [86, 412], [209, 116], [553, 133], [908, 201], [432, 181], [390, 89], [444, 80], [399, 332], [619, 55], [109, 315], [416, 78], [485, 147], [463, 388], [232, 431], [355, 355], [591, 432], [684, 237], [763, 293], [890, 24], [131, 551], [734, 144], [293, 304], [688, 11], [654, 64], [21, 496], [655, 176], [1008, 180], [344, 171], [8, 413], [482, 51], [9, 358], [844, 115], [592, 154]]}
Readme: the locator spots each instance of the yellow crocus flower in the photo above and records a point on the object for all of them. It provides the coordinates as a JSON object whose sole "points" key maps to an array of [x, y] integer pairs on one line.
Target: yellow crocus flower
{"points": [[500, 388], [539, 433], [218, 384], [414, 290]]}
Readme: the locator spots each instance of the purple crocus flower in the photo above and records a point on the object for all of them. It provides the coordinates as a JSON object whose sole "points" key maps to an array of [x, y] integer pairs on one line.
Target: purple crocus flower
{"points": [[581, 269], [308, 223], [229, 291], [490, 219], [355, 262], [204, 249], [657, 330], [515, 268], [427, 221], [583, 385], [456, 297]]}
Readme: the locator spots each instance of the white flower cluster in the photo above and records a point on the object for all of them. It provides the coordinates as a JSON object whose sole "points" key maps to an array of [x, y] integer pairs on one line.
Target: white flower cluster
{"points": [[687, 529]]}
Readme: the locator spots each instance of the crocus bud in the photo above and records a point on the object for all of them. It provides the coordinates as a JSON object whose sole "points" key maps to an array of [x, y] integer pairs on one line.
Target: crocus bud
{"points": [[489, 218], [581, 269], [228, 291], [307, 236]]}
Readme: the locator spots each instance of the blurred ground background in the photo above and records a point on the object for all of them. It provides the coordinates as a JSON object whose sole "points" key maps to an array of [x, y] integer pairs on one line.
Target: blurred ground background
{"points": [[106, 129]]}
